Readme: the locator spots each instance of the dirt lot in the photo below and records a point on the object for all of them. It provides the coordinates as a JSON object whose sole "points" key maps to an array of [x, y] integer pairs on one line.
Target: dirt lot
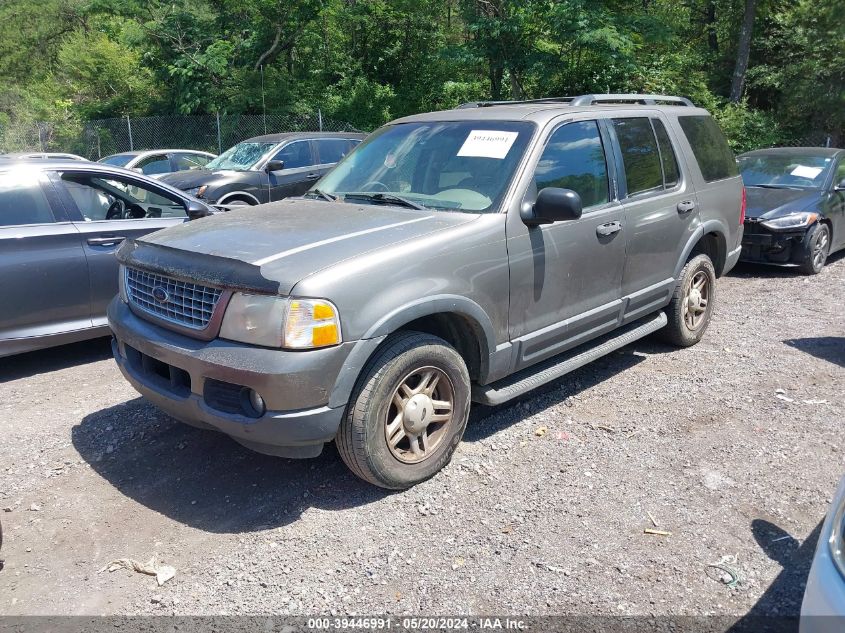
{"points": [[520, 522]]}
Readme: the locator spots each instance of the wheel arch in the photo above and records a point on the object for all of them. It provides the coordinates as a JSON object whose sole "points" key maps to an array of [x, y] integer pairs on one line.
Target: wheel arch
{"points": [[244, 195], [709, 239]]}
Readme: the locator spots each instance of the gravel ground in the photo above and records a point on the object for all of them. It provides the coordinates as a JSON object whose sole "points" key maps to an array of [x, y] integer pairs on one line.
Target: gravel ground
{"points": [[731, 446]]}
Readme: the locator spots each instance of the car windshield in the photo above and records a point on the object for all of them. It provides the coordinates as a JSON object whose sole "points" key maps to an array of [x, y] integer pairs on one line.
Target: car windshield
{"points": [[803, 171], [449, 165], [118, 160], [241, 157]]}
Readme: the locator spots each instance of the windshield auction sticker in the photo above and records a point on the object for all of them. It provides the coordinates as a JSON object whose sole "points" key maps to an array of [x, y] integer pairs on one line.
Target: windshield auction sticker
{"points": [[487, 144]]}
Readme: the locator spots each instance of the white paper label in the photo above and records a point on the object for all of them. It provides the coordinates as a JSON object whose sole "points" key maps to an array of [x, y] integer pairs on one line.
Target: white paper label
{"points": [[806, 172], [488, 144]]}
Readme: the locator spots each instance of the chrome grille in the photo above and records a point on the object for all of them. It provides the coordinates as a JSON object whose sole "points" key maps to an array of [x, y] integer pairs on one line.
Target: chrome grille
{"points": [[183, 303]]}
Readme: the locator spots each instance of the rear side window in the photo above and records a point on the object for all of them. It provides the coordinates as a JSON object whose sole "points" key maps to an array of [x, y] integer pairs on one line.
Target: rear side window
{"points": [[640, 156], [715, 158], [331, 150], [22, 201], [185, 161], [671, 175]]}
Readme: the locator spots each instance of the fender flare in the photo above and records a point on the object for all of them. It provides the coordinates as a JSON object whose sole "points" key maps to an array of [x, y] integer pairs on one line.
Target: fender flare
{"points": [[711, 226], [232, 194]]}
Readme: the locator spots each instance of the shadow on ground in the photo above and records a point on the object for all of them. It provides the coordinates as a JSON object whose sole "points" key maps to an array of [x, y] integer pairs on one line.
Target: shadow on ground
{"points": [[829, 348], [54, 359], [207, 481]]}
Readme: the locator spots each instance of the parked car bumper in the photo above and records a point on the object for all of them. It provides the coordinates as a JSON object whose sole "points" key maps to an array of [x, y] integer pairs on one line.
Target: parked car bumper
{"points": [[203, 383], [823, 609], [761, 245]]}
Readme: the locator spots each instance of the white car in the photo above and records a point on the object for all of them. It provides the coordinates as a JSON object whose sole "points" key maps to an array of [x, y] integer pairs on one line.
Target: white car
{"points": [[158, 162], [823, 609]]}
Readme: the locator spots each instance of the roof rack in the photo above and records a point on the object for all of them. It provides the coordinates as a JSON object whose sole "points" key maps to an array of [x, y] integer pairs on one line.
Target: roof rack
{"points": [[585, 100]]}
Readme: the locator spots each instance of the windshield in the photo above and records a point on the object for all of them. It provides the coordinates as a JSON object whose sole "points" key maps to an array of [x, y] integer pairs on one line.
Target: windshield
{"points": [[450, 165], [118, 160], [803, 171], [241, 157]]}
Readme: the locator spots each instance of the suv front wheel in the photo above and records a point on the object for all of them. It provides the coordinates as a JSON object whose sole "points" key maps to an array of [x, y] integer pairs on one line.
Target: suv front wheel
{"points": [[408, 412], [692, 303]]}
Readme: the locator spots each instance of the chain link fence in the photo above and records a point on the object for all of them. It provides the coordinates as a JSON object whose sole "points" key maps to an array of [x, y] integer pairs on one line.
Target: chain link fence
{"points": [[210, 133]]}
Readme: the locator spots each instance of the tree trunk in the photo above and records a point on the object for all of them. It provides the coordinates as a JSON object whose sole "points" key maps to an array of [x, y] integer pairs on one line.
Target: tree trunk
{"points": [[743, 51], [712, 37]]}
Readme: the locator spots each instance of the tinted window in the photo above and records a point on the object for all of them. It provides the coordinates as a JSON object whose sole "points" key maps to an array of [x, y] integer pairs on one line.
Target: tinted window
{"points": [[22, 201], [639, 155], [332, 149], [158, 164], [296, 154], [574, 159], [100, 199], [671, 175], [119, 160], [183, 161], [711, 150]]}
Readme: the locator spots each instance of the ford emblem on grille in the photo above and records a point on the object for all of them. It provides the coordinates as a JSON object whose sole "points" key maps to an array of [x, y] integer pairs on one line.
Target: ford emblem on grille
{"points": [[160, 294]]}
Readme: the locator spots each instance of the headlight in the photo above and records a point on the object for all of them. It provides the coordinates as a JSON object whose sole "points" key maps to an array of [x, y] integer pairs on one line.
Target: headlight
{"points": [[254, 319], [121, 284], [197, 192], [837, 536], [311, 323], [280, 322], [792, 221]]}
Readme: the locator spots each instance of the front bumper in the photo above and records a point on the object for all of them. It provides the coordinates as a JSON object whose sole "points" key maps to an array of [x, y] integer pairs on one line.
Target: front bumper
{"points": [[823, 609], [198, 382], [761, 245]]}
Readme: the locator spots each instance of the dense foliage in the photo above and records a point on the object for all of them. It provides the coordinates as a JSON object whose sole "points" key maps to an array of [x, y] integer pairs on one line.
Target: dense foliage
{"points": [[367, 61]]}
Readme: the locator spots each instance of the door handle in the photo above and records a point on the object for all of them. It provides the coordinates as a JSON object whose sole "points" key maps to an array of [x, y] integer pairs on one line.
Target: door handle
{"points": [[603, 230], [685, 206], [110, 240], [312, 176]]}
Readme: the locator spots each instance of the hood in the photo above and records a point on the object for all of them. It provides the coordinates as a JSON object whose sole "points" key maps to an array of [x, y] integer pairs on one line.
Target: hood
{"points": [[765, 202], [277, 245], [191, 178]]}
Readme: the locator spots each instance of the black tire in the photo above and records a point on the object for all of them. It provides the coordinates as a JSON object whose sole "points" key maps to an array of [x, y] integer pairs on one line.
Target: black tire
{"points": [[815, 249], [678, 330], [362, 438]]}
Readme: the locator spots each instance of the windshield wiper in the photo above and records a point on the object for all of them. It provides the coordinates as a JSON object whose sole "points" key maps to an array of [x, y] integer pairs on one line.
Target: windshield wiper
{"points": [[387, 198], [324, 195], [768, 186]]}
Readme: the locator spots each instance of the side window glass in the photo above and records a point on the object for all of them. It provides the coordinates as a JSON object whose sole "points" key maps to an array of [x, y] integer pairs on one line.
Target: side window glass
{"points": [[184, 162], [639, 155], [574, 159], [100, 199], [332, 150], [840, 173], [154, 165], [296, 154], [22, 201], [671, 173]]}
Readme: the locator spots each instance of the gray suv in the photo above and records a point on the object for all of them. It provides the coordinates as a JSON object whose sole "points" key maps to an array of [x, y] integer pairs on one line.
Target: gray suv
{"points": [[458, 256]]}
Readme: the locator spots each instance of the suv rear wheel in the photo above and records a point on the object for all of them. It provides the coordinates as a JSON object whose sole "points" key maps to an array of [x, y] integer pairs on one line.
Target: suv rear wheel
{"points": [[692, 303], [407, 413]]}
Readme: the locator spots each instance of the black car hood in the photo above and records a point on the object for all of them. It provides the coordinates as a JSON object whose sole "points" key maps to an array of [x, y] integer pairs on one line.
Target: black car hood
{"points": [[273, 246], [765, 202], [197, 177]]}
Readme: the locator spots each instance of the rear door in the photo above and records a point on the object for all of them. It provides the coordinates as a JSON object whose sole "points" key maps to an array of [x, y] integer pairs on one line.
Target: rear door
{"points": [[43, 270], [107, 210], [300, 170], [835, 207], [661, 211]]}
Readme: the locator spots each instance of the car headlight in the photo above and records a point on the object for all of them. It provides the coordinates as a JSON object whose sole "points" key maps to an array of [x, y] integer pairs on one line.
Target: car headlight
{"points": [[837, 536], [197, 192], [281, 322], [796, 220]]}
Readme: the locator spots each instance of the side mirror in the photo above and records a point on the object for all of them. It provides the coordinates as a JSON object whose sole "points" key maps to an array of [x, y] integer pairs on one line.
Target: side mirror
{"points": [[840, 186], [196, 210], [274, 165], [553, 205]]}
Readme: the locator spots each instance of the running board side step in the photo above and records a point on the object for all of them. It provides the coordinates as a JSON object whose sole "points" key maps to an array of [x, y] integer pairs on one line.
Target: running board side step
{"points": [[546, 371]]}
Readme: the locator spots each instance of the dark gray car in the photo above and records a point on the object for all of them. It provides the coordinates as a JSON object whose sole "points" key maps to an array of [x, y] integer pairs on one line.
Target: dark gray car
{"points": [[796, 206], [60, 225], [457, 256], [266, 168]]}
